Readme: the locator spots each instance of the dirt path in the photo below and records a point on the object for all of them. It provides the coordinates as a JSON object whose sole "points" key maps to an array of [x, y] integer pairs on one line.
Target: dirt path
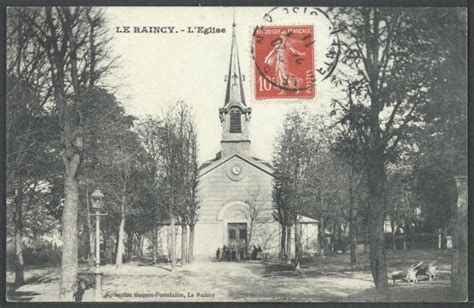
{"points": [[231, 281]]}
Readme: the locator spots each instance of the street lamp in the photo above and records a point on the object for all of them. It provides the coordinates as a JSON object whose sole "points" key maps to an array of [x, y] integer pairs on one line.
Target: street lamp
{"points": [[97, 199]]}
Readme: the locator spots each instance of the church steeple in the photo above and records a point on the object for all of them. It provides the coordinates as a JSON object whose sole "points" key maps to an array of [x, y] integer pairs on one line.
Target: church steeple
{"points": [[235, 115], [234, 91]]}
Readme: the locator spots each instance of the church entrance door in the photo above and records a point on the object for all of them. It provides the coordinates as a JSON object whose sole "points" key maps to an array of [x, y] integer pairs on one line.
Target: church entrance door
{"points": [[237, 239]]}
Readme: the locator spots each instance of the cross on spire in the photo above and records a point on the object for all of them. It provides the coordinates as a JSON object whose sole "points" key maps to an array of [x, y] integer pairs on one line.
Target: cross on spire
{"points": [[233, 20]]}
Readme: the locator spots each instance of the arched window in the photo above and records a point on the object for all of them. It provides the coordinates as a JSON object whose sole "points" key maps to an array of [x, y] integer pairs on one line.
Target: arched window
{"points": [[235, 125]]}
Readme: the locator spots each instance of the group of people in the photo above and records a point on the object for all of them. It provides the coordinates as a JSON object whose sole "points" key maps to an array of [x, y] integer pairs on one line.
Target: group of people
{"points": [[233, 254], [256, 253], [229, 254]]}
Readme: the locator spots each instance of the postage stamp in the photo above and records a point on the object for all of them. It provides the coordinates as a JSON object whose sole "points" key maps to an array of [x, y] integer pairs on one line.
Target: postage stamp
{"points": [[284, 62]]}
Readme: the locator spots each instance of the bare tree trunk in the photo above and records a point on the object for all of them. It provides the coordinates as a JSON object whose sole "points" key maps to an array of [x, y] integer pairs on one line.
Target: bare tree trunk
{"points": [[288, 244], [283, 242], [366, 238], [104, 250], [297, 246], [339, 239], [135, 244], [444, 235], [69, 266], [89, 229], [19, 263], [184, 243], [116, 243], [18, 225], [121, 238], [191, 244], [249, 237], [352, 218], [404, 239], [353, 243], [168, 243], [173, 242], [130, 246], [322, 240], [140, 245], [154, 235], [394, 244], [376, 185]]}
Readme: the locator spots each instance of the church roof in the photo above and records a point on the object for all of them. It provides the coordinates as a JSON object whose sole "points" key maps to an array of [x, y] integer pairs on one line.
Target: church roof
{"points": [[266, 163], [209, 162], [210, 165], [235, 91]]}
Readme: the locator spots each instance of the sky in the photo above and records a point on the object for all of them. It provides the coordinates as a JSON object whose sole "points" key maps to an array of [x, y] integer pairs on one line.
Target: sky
{"points": [[158, 69]]}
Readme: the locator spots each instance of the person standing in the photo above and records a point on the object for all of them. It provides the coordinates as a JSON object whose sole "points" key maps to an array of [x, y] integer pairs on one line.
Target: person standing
{"points": [[227, 254], [254, 253], [233, 254]]}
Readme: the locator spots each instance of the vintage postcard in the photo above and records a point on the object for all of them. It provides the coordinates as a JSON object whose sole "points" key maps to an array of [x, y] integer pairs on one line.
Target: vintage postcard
{"points": [[247, 154]]}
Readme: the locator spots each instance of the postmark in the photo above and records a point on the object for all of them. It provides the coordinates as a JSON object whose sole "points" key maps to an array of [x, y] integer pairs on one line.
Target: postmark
{"points": [[284, 62], [294, 49]]}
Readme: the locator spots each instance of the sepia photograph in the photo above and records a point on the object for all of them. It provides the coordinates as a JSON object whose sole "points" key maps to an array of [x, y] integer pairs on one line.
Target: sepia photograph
{"points": [[236, 154]]}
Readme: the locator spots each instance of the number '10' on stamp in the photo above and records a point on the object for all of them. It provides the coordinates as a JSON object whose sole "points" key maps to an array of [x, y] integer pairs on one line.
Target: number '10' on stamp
{"points": [[284, 62]]}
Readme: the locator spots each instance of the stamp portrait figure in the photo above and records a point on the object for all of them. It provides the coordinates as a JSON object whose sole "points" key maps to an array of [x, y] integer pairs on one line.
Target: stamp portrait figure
{"points": [[283, 48]]}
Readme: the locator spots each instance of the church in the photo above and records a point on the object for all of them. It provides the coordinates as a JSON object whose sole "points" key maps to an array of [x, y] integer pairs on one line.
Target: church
{"points": [[235, 187]]}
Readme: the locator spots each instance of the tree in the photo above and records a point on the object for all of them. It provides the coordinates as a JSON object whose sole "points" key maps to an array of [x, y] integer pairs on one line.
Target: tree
{"points": [[123, 180], [325, 192], [293, 152], [436, 194], [64, 35], [348, 155], [192, 203], [148, 130], [387, 68], [255, 213], [171, 141], [399, 208], [109, 132], [181, 139], [442, 141], [31, 148]]}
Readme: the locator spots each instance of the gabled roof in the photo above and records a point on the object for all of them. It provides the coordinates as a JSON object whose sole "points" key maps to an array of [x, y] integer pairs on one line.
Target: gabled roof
{"points": [[209, 162], [307, 220], [216, 162], [266, 163]]}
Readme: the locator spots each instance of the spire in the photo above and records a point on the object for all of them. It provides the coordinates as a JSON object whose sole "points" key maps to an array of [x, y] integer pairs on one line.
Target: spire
{"points": [[235, 90]]}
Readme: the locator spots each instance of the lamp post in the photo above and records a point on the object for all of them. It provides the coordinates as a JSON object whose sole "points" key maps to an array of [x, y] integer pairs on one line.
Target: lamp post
{"points": [[97, 199]]}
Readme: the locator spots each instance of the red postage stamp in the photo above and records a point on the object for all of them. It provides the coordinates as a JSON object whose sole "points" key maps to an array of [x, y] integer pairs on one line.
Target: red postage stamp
{"points": [[284, 62]]}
